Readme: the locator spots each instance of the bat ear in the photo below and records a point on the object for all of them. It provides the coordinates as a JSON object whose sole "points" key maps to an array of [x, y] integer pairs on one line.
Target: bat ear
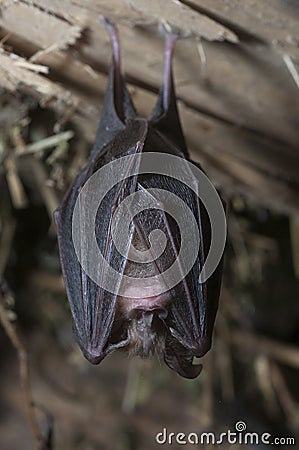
{"points": [[165, 115], [118, 106]]}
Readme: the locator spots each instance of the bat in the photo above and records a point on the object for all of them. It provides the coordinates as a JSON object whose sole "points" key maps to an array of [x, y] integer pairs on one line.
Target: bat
{"points": [[177, 322]]}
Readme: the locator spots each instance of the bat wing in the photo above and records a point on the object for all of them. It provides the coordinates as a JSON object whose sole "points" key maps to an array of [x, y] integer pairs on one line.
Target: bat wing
{"points": [[90, 314], [193, 308], [93, 308], [193, 312]]}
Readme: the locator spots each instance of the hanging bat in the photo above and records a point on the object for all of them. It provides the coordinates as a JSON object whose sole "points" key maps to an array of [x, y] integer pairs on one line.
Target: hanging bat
{"points": [[177, 323]]}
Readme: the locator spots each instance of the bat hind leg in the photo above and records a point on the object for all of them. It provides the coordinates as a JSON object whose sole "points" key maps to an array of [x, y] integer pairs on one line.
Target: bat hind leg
{"points": [[170, 40], [118, 82]]}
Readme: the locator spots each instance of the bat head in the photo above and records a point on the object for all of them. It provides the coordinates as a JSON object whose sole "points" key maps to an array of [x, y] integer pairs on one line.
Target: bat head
{"points": [[139, 311]]}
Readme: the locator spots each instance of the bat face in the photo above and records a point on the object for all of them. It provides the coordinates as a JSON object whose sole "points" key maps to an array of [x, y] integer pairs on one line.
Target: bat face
{"points": [[145, 315], [139, 311], [140, 308]]}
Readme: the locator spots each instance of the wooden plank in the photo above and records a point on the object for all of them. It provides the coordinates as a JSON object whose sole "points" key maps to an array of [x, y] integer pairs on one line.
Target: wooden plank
{"points": [[42, 29], [181, 17], [247, 84], [274, 21], [241, 114]]}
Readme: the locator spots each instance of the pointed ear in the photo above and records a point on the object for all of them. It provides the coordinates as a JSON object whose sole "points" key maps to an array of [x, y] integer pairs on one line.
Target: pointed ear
{"points": [[165, 115], [118, 106]]}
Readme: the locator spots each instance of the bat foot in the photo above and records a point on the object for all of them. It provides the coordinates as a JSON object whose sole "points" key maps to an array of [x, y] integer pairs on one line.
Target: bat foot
{"points": [[114, 37], [106, 22], [166, 29]]}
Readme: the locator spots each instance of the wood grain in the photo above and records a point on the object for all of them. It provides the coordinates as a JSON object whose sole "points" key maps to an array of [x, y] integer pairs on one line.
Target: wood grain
{"points": [[240, 111]]}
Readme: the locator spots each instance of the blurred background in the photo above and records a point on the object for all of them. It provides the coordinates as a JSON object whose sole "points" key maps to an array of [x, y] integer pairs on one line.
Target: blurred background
{"points": [[236, 76]]}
